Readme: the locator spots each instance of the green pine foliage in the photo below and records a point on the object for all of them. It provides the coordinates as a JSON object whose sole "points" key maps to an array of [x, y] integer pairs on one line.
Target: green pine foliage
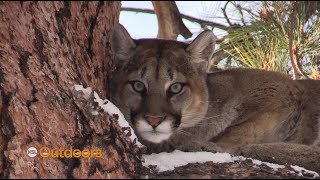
{"points": [[264, 41]]}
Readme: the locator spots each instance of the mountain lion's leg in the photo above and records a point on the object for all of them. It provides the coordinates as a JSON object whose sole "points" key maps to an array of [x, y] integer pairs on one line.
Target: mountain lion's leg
{"points": [[282, 153]]}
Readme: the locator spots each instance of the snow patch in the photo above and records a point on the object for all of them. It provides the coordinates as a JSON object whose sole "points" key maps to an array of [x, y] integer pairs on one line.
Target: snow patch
{"points": [[300, 169], [87, 91], [109, 108], [168, 161], [258, 162]]}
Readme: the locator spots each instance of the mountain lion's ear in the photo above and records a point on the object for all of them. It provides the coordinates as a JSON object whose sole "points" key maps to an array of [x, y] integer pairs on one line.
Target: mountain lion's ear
{"points": [[201, 49], [121, 43]]}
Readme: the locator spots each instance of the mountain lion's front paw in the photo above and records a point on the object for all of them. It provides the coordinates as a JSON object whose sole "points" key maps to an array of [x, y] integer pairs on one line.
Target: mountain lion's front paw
{"points": [[211, 147], [203, 146]]}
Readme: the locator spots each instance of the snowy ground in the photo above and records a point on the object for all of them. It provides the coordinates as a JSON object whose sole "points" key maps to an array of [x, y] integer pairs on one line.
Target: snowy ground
{"points": [[168, 161]]}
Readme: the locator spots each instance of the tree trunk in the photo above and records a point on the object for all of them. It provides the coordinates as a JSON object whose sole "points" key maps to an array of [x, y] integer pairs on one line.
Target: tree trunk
{"points": [[45, 49]]}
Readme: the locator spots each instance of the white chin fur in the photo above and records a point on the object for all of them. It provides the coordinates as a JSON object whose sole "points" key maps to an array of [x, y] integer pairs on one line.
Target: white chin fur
{"points": [[162, 131]]}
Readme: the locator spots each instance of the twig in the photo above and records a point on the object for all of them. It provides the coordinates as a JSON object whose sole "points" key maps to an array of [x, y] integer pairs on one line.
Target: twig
{"points": [[239, 8], [187, 17], [250, 12], [225, 13]]}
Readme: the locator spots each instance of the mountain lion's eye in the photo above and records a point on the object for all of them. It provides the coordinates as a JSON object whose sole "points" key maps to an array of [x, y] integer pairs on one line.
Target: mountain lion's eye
{"points": [[138, 86], [176, 88]]}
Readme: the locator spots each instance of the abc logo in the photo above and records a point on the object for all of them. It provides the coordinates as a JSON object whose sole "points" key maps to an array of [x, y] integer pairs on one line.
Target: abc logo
{"points": [[32, 152]]}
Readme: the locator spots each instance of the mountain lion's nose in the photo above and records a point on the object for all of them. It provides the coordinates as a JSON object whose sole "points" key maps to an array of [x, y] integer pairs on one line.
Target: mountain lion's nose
{"points": [[154, 121]]}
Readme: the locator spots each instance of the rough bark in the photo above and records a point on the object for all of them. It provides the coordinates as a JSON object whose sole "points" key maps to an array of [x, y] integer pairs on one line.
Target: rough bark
{"points": [[45, 49], [236, 170]]}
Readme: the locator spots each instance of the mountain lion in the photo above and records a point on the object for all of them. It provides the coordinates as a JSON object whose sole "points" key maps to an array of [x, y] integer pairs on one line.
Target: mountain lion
{"points": [[163, 89]]}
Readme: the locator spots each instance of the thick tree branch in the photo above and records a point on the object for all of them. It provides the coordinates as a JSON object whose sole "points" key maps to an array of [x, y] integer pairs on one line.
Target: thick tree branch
{"points": [[293, 48], [170, 23], [187, 17]]}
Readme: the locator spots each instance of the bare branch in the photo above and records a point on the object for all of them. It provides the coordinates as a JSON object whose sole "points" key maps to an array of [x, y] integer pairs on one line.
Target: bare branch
{"points": [[187, 17]]}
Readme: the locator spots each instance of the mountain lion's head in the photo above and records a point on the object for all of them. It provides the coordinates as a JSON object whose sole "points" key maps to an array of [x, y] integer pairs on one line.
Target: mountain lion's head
{"points": [[159, 85]]}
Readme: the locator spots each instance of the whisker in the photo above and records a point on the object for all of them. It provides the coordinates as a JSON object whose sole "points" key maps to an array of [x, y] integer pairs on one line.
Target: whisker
{"points": [[197, 125], [210, 117], [190, 119], [201, 122], [184, 132], [218, 100]]}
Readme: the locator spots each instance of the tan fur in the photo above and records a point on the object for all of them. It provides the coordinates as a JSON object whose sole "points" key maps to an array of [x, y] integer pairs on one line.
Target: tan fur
{"points": [[232, 110]]}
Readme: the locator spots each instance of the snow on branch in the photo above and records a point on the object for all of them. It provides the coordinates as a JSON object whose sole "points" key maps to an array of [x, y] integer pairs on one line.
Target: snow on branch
{"points": [[109, 108]]}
